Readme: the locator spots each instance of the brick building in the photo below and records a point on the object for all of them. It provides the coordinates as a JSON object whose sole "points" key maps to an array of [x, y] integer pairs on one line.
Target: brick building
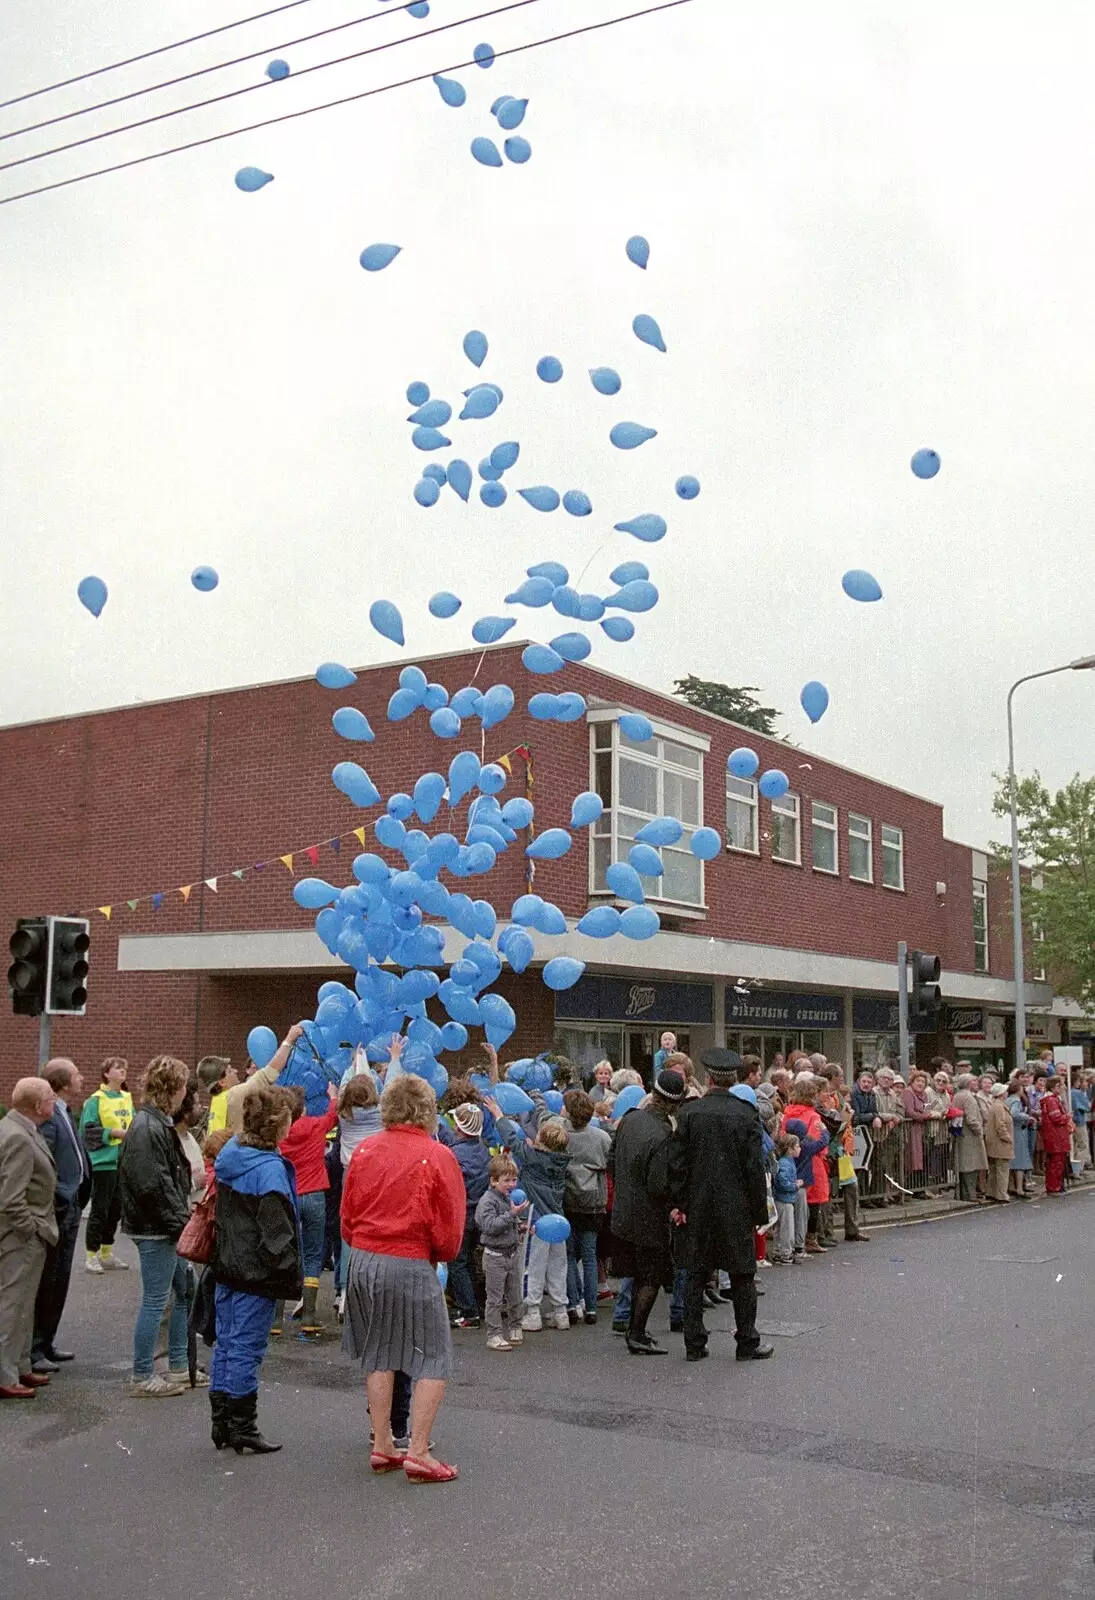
{"points": [[154, 819]]}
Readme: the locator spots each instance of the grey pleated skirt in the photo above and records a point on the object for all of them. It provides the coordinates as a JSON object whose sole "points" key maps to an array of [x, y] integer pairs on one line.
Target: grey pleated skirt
{"points": [[396, 1319]]}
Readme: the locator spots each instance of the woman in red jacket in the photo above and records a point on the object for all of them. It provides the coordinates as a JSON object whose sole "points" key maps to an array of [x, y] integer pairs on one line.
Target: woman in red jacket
{"points": [[1056, 1128], [803, 1108], [305, 1148], [403, 1212]]}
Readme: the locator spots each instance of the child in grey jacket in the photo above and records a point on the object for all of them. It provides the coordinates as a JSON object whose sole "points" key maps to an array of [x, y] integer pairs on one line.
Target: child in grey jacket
{"points": [[500, 1227]]}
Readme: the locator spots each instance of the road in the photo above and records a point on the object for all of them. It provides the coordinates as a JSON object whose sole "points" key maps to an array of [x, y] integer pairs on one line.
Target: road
{"points": [[925, 1428]]}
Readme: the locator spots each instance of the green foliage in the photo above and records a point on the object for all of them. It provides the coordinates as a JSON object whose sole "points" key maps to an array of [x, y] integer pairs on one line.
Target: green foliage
{"points": [[736, 705], [1057, 843]]}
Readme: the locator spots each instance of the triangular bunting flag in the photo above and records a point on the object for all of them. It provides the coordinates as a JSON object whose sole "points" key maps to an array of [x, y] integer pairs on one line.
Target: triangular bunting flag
{"points": [[133, 904], [286, 861], [106, 910], [523, 751], [312, 853], [210, 883], [359, 835], [239, 872], [335, 844], [184, 890], [157, 901], [504, 761], [260, 866]]}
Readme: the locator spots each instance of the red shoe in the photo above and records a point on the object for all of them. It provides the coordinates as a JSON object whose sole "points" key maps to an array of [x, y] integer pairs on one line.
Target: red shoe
{"points": [[33, 1380], [385, 1463], [428, 1471], [17, 1391]]}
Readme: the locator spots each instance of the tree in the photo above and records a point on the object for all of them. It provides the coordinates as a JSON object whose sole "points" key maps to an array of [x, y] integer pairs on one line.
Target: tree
{"points": [[736, 705], [1057, 843]]}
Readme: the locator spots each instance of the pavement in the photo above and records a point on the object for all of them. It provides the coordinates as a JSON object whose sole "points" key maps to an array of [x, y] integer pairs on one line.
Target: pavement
{"points": [[925, 1428]]}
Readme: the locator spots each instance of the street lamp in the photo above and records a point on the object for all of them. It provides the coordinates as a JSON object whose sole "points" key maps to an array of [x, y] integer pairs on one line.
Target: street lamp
{"points": [[1082, 665]]}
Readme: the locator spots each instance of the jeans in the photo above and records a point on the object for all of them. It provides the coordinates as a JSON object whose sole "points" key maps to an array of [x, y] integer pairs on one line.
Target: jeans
{"points": [[460, 1279], [163, 1272], [106, 1209], [313, 1231], [243, 1329], [582, 1264], [53, 1285], [786, 1245], [621, 1311], [743, 1288]]}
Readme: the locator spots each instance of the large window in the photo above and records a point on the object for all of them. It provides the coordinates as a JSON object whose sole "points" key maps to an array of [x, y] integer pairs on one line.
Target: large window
{"points": [[637, 782], [741, 814], [823, 823], [860, 866], [786, 831], [893, 857], [980, 925]]}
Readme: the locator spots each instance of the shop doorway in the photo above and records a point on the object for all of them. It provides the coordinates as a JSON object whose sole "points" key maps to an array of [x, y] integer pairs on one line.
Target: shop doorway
{"points": [[642, 1044]]}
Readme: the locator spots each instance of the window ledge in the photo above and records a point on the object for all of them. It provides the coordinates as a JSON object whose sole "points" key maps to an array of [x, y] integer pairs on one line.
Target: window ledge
{"points": [[893, 888], [780, 861], [828, 872], [864, 883], [739, 850]]}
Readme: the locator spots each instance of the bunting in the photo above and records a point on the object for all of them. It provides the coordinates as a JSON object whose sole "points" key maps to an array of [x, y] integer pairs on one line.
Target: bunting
{"points": [[286, 861], [106, 910], [210, 883], [184, 890]]}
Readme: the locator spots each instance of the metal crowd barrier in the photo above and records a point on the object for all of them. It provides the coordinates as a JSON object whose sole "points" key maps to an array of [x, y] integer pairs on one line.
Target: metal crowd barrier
{"points": [[913, 1162]]}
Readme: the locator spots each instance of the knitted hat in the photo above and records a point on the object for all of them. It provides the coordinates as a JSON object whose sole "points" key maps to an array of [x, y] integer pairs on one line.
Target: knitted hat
{"points": [[999, 1089], [670, 1086], [468, 1118]]}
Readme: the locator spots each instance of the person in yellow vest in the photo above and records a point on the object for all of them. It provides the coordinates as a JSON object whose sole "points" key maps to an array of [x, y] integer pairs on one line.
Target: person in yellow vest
{"points": [[103, 1122], [217, 1075]]}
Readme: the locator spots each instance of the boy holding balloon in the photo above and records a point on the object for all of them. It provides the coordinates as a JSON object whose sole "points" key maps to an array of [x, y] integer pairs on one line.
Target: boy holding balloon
{"points": [[542, 1164], [499, 1216]]}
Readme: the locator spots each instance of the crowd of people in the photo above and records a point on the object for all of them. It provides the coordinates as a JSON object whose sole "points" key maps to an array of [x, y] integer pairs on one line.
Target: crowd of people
{"points": [[452, 1215]]}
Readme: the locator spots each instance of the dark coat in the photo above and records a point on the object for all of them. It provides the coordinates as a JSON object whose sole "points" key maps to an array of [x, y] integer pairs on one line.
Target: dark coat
{"points": [[257, 1245], [639, 1164], [716, 1177], [69, 1157], [154, 1177]]}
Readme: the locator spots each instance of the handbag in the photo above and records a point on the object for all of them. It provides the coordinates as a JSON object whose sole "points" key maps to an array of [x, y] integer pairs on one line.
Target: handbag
{"points": [[197, 1238], [845, 1169]]}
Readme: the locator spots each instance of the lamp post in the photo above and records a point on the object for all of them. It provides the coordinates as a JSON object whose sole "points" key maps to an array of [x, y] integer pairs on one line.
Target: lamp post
{"points": [[1083, 664]]}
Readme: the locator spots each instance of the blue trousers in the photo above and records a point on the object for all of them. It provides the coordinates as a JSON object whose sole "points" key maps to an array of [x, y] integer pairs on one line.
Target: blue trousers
{"points": [[163, 1272], [313, 1231], [243, 1331], [582, 1265], [621, 1311], [460, 1279]]}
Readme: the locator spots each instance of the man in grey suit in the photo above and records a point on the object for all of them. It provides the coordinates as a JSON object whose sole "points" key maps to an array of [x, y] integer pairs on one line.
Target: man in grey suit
{"points": [[28, 1180]]}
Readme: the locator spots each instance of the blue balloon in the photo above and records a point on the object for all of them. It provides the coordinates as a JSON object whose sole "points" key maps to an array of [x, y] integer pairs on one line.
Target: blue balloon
{"points": [[638, 250], [429, 791], [436, 471], [552, 570], [432, 414], [687, 487], [420, 9], [486, 920], [773, 784], [486, 152], [630, 435], [505, 454], [518, 150], [417, 392], [567, 601], [205, 579], [646, 329], [625, 882], [860, 585], [475, 347], [585, 809], [635, 727], [443, 604], [640, 922], [550, 920], [452, 92], [549, 369], [600, 923], [251, 179], [619, 629], [350, 723], [814, 700], [460, 478], [489, 471], [414, 680], [519, 950], [541, 497], [390, 832], [541, 660], [526, 909], [262, 1045], [553, 1100], [493, 495], [511, 113], [511, 1099], [427, 491], [468, 702], [705, 844], [533, 592], [368, 868], [606, 380], [429, 439], [276, 70], [481, 402], [629, 572], [399, 806], [387, 621], [445, 723], [375, 257], [646, 861], [311, 893], [629, 1097], [571, 646], [454, 1036], [488, 630], [577, 503], [464, 772], [483, 833], [591, 608], [333, 675], [742, 762], [435, 697], [544, 707], [354, 782], [649, 527], [638, 596], [518, 812], [925, 463], [498, 1019], [553, 1228], [492, 777], [403, 704], [550, 845], [660, 832], [92, 594], [498, 702], [484, 55]]}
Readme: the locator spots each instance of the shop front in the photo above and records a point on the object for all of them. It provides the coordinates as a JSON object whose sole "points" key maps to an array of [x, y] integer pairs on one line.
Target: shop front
{"points": [[966, 1033], [770, 1023], [622, 1019]]}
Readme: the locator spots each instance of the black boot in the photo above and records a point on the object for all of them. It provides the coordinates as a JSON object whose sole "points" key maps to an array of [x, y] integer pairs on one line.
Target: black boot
{"points": [[243, 1428], [219, 1405]]}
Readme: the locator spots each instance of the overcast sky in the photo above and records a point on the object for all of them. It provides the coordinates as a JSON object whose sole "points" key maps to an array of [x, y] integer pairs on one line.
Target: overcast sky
{"points": [[869, 234]]}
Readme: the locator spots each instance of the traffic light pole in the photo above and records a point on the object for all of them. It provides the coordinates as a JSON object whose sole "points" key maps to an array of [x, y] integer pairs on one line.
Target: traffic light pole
{"points": [[903, 1007], [45, 1029]]}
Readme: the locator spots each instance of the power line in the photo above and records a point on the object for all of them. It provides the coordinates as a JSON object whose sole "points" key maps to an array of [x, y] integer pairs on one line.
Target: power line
{"points": [[249, 88], [364, 94]]}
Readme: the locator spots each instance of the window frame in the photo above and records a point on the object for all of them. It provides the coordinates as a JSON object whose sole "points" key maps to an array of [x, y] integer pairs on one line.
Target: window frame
{"points": [[868, 839], [782, 808], [607, 826], [753, 803], [891, 827], [981, 899], [832, 829]]}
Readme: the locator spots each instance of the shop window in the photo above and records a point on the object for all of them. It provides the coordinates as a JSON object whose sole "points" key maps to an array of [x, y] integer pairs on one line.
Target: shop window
{"points": [[741, 814], [893, 857], [637, 782], [980, 925], [823, 819], [860, 865], [786, 830]]}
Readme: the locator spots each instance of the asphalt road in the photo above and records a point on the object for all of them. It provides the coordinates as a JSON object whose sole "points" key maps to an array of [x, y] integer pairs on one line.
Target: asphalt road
{"points": [[925, 1428]]}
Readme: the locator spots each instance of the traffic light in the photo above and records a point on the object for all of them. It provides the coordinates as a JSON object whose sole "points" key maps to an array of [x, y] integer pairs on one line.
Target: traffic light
{"points": [[66, 987], [29, 946], [925, 995]]}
